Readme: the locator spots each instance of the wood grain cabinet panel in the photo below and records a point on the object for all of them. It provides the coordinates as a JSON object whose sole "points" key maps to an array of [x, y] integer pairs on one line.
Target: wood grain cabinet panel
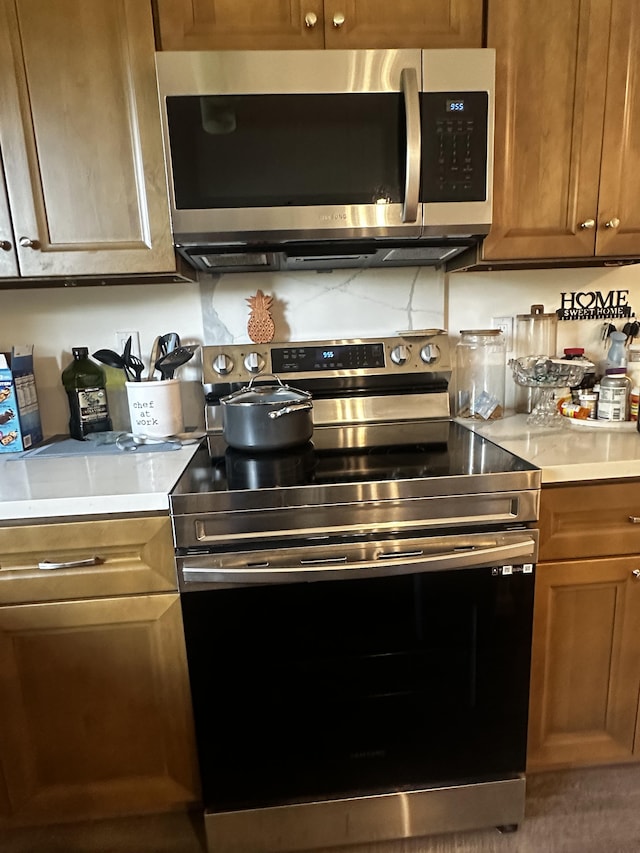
{"points": [[96, 716], [405, 23], [135, 556], [234, 25], [567, 129], [585, 663], [585, 675], [290, 24], [80, 138], [590, 520], [8, 257]]}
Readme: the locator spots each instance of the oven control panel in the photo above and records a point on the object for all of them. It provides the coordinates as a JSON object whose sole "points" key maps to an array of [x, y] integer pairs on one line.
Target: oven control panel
{"points": [[421, 351]]}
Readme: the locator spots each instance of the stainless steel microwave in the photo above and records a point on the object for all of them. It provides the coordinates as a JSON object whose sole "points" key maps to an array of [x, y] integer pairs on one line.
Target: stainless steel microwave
{"points": [[272, 150]]}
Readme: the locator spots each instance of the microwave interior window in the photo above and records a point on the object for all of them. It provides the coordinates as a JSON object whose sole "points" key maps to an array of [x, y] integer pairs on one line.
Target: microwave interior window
{"points": [[286, 150]]}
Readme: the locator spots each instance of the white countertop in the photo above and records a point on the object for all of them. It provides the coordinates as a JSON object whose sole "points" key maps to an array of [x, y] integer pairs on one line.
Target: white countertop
{"points": [[89, 485], [141, 482], [575, 451]]}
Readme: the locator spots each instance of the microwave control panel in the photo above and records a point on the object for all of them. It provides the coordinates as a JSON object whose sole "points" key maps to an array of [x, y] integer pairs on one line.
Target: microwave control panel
{"points": [[454, 146]]}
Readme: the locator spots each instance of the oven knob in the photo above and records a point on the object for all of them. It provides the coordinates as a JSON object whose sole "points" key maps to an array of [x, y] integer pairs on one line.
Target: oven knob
{"points": [[400, 354], [429, 353], [254, 362], [222, 364]]}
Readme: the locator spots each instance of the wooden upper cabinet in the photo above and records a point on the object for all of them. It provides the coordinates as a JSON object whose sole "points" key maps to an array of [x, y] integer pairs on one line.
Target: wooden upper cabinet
{"points": [[235, 25], [80, 138], [405, 23], [303, 24], [619, 203], [8, 258], [567, 129]]}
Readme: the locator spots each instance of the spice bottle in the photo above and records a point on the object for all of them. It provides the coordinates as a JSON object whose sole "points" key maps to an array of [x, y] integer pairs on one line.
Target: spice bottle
{"points": [[480, 374], [613, 402], [85, 384], [633, 372]]}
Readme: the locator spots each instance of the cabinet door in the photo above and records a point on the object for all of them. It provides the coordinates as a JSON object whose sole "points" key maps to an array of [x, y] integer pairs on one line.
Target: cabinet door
{"points": [[8, 259], [114, 556], [96, 715], [619, 204], [585, 668], [405, 23], [550, 93], [231, 25], [80, 137]]}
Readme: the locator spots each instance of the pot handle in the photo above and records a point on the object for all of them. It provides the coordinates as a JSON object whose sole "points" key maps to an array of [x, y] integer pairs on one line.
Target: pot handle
{"points": [[294, 407]]}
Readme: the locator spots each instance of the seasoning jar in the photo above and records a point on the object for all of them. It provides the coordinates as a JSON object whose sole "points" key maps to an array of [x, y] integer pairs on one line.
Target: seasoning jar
{"points": [[480, 374], [633, 372], [613, 402]]}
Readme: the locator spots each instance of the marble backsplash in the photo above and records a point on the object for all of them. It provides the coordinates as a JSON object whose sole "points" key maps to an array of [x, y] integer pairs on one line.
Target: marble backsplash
{"points": [[307, 306]]}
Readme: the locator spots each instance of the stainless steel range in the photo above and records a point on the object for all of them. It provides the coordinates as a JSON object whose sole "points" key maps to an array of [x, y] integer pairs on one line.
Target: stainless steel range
{"points": [[358, 609]]}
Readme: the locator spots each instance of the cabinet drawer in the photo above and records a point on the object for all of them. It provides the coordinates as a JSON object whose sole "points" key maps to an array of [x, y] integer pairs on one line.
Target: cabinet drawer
{"points": [[133, 555], [594, 520]]}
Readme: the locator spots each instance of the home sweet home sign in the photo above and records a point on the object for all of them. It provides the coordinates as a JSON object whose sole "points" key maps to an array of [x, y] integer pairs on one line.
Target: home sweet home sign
{"points": [[594, 305]]}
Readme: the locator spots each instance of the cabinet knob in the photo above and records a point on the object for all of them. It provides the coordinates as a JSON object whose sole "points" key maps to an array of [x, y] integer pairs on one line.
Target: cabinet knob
{"points": [[338, 20], [612, 223], [27, 243], [634, 519], [5, 245], [636, 574], [311, 19], [588, 224]]}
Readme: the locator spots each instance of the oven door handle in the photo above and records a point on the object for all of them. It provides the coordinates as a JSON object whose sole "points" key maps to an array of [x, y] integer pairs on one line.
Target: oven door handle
{"points": [[386, 564]]}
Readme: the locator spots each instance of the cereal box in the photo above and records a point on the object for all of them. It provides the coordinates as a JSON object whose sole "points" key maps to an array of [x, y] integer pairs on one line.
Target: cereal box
{"points": [[20, 426]]}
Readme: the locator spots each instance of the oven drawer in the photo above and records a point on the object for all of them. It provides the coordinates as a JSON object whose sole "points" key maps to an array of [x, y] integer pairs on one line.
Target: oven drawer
{"points": [[596, 520]]}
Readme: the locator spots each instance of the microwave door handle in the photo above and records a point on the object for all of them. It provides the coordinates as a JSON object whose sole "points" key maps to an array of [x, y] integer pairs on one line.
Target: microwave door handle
{"points": [[409, 85]]}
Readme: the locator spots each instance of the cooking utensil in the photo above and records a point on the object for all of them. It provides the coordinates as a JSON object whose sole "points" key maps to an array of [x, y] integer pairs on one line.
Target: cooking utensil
{"points": [[267, 417], [168, 364], [110, 358], [169, 342], [136, 365], [155, 355]]}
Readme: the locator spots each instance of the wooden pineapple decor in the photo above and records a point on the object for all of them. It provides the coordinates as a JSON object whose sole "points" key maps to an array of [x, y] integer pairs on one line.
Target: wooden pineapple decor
{"points": [[260, 326]]}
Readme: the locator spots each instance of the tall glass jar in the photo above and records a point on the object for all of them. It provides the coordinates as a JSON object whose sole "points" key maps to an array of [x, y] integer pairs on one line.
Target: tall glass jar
{"points": [[480, 372]]}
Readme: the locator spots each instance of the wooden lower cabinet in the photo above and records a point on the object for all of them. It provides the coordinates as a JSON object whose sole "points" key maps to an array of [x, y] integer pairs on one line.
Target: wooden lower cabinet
{"points": [[95, 707], [585, 678]]}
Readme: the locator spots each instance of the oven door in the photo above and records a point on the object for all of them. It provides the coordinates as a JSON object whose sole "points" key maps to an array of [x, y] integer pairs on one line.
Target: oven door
{"points": [[302, 144], [411, 677]]}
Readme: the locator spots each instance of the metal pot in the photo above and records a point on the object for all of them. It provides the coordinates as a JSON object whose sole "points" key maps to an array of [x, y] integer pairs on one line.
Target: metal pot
{"points": [[267, 417]]}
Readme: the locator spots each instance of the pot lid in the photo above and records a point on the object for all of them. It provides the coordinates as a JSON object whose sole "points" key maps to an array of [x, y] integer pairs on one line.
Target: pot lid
{"points": [[265, 394]]}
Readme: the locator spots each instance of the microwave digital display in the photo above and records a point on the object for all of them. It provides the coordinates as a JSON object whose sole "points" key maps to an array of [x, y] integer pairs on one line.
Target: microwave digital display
{"points": [[455, 106]]}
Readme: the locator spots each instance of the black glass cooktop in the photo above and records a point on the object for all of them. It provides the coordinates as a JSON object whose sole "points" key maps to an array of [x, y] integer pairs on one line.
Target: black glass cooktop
{"points": [[351, 454]]}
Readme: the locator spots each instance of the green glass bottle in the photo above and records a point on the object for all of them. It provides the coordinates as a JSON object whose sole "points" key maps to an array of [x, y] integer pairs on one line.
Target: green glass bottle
{"points": [[85, 384]]}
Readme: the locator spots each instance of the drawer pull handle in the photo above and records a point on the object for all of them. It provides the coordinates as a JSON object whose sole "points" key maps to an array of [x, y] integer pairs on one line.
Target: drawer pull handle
{"points": [[636, 574], [90, 561], [634, 519]]}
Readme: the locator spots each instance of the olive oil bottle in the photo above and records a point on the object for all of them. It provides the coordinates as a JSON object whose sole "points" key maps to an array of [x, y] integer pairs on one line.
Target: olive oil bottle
{"points": [[85, 384]]}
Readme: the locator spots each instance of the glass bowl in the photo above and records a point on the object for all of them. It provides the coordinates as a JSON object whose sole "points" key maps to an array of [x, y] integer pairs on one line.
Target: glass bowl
{"points": [[546, 374], [542, 371]]}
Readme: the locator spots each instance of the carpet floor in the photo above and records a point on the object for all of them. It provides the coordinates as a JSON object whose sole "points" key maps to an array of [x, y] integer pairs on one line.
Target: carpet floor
{"points": [[580, 811]]}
